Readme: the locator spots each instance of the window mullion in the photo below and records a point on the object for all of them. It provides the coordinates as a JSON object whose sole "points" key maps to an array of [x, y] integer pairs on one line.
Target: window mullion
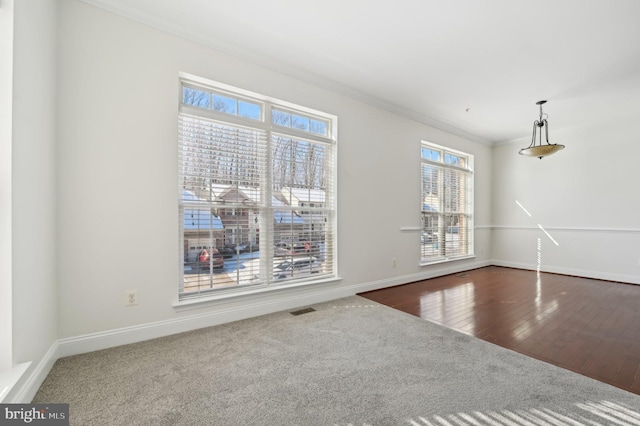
{"points": [[266, 216], [442, 219]]}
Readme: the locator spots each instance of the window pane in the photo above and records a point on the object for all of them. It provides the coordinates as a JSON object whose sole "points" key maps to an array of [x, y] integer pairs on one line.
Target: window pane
{"points": [[301, 244], [213, 154], [195, 97], [298, 122], [281, 118], [430, 186], [298, 164], [454, 160], [457, 235], [241, 245], [429, 154], [225, 104], [430, 236], [249, 110], [202, 233], [318, 127]]}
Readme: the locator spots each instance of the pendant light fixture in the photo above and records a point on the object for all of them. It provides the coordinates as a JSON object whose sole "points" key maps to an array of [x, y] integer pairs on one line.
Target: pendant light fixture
{"points": [[540, 150]]}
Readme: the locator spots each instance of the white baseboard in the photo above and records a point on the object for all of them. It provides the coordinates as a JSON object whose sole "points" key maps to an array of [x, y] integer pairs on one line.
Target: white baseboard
{"points": [[598, 275], [425, 274], [28, 389]]}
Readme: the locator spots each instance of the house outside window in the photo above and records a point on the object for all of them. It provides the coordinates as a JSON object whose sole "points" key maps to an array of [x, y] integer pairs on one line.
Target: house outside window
{"points": [[260, 176], [446, 204]]}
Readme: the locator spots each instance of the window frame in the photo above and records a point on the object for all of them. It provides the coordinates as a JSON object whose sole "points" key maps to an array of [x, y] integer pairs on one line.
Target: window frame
{"points": [[265, 210], [443, 246]]}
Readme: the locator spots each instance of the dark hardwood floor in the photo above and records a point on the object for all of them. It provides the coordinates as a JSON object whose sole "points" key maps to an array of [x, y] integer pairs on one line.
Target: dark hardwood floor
{"points": [[588, 326]]}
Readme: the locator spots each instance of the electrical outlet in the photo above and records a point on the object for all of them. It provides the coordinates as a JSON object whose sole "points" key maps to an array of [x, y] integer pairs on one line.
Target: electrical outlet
{"points": [[131, 298]]}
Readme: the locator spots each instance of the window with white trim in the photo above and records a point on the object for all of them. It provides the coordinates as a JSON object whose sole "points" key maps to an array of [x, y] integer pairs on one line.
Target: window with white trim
{"points": [[257, 190], [446, 205]]}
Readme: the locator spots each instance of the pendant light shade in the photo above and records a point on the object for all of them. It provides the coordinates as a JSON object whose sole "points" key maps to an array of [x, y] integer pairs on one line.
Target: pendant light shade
{"points": [[539, 150]]}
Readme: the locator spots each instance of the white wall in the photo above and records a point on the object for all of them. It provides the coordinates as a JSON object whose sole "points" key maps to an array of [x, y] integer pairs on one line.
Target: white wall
{"points": [[117, 167], [33, 241], [6, 114], [584, 196]]}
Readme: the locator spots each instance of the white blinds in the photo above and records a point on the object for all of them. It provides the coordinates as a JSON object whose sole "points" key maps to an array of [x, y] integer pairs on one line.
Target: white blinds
{"points": [[303, 188], [215, 155], [257, 208]]}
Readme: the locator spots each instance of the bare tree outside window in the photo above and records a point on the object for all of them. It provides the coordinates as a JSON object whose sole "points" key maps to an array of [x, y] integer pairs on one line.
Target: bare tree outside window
{"points": [[196, 97]]}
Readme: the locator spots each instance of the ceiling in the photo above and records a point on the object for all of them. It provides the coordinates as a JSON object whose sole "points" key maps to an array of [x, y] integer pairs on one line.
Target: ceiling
{"points": [[475, 68]]}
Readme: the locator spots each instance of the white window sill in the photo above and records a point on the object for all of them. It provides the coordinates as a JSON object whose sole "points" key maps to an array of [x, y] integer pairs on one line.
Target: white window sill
{"points": [[9, 378], [216, 298], [447, 260]]}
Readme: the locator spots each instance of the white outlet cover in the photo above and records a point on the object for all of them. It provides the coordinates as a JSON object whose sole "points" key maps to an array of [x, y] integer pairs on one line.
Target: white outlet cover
{"points": [[131, 297]]}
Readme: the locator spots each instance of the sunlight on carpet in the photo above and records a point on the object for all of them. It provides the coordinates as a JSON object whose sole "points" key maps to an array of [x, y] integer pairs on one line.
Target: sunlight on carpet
{"points": [[609, 413]]}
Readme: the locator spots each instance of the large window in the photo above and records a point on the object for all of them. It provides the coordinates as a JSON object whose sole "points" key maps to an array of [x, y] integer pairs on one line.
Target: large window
{"points": [[447, 204], [256, 190]]}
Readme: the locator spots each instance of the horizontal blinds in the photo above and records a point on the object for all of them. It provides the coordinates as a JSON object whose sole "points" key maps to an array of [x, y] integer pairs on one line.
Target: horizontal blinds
{"points": [[221, 167], [215, 156], [302, 179]]}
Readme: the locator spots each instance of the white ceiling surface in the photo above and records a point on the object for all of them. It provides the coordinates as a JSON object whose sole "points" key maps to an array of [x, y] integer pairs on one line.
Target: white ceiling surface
{"points": [[475, 68]]}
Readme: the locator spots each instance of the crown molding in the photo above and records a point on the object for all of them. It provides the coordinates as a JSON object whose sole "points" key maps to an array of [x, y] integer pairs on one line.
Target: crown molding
{"points": [[290, 71]]}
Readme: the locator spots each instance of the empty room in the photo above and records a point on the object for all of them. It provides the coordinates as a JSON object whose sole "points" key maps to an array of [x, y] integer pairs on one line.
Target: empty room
{"points": [[320, 212]]}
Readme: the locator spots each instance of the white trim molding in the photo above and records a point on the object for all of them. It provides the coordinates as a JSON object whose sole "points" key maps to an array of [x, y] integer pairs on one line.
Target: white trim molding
{"points": [[579, 250], [27, 390], [564, 228], [575, 272]]}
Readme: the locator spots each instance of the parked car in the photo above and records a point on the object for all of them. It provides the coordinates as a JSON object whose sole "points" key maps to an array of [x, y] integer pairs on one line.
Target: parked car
{"points": [[236, 248], [210, 258], [298, 267], [298, 248], [226, 252], [242, 247], [288, 239], [428, 238], [282, 249], [252, 247], [310, 247]]}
